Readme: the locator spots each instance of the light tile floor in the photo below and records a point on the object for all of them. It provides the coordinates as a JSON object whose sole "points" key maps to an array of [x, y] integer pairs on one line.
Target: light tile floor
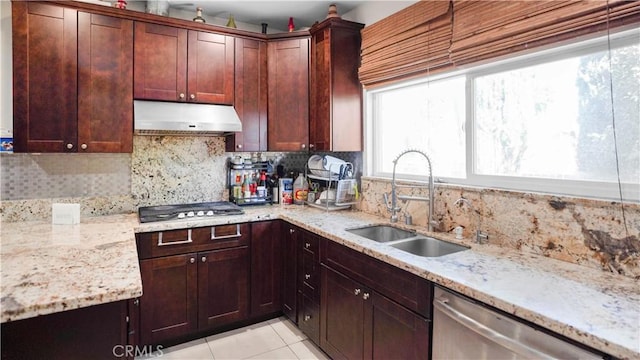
{"points": [[274, 339]]}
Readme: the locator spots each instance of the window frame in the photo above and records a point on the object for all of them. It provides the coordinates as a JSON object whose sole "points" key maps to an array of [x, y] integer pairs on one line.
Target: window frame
{"points": [[560, 187]]}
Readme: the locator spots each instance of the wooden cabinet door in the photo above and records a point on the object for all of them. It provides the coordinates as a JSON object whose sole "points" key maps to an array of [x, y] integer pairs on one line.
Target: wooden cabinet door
{"points": [[342, 330], [105, 90], [210, 68], [289, 271], [160, 67], [96, 332], [335, 122], [168, 306], [223, 286], [266, 268], [395, 331], [45, 65], [250, 96], [288, 66]]}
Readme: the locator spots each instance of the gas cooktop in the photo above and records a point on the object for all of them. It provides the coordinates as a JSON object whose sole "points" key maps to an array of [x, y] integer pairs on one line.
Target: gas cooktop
{"points": [[187, 211]]}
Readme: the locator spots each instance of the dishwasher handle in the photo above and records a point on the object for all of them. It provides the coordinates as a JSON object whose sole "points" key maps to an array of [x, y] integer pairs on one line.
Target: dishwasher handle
{"points": [[482, 330]]}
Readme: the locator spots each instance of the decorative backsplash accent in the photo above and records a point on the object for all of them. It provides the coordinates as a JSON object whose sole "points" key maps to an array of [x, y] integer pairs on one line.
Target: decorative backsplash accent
{"points": [[582, 231], [30, 176], [171, 170]]}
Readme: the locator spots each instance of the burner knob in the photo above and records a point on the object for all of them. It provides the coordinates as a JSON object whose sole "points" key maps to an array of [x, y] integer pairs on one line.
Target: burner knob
{"points": [[181, 215], [191, 214], [200, 213], [210, 213]]}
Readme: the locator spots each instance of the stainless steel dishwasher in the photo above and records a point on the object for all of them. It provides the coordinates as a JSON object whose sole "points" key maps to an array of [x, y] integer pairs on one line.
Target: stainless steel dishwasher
{"points": [[463, 329]]}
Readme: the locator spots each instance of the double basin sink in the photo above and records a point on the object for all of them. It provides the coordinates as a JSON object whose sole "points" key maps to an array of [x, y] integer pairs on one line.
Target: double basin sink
{"points": [[408, 241]]}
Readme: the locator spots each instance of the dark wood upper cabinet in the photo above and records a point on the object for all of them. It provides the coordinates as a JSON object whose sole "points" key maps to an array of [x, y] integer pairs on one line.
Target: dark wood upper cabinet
{"points": [[250, 96], [335, 120], [288, 68], [71, 80], [105, 102], [175, 64]]}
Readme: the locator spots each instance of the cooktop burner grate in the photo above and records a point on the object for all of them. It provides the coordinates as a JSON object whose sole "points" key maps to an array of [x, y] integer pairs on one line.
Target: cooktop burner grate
{"points": [[187, 211]]}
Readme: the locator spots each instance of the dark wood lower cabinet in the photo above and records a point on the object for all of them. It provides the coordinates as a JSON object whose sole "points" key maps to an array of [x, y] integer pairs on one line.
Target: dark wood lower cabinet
{"points": [[358, 323], [396, 332], [223, 287], [201, 280], [95, 332], [342, 332], [266, 268], [290, 236], [168, 306]]}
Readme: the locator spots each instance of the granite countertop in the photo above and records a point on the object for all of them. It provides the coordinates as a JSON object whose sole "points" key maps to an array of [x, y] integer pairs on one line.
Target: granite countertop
{"points": [[51, 268], [593, 307]]}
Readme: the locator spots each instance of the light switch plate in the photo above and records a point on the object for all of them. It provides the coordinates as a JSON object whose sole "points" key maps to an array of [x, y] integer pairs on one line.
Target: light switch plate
{"points": [[65, 214]]}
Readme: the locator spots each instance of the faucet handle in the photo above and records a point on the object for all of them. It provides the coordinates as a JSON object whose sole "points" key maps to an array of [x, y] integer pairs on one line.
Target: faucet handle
{"points": [[386, 201]]}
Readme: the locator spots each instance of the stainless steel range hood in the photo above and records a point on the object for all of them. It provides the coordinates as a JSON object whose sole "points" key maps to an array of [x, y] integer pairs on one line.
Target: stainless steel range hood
{"points": [[185, 119]]}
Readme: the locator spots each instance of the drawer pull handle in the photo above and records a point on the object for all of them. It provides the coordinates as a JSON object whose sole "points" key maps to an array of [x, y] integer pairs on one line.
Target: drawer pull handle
{"points": [[307, 276], [307, 245], [356, 292], [365, 296], [192, 260], [161, 243], [307, 317], [236, 235]]}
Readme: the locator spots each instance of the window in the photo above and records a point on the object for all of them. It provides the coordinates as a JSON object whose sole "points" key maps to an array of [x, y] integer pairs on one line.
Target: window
{"points": [[537, 123]]}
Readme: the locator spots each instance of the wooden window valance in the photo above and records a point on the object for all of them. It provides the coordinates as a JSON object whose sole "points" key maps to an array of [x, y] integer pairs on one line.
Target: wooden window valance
{"points": [[432, 36]]}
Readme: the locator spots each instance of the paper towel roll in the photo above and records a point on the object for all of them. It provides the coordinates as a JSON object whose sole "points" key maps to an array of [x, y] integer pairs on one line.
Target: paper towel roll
{"points": [[332, 163]]}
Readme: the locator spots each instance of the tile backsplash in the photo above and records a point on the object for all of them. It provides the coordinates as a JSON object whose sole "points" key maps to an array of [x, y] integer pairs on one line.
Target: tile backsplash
{"points": [[28, 176], [170, 170]]}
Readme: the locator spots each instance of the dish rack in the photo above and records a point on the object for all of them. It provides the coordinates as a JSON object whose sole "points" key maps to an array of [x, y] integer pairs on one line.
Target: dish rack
{"points": [[341, 187]]}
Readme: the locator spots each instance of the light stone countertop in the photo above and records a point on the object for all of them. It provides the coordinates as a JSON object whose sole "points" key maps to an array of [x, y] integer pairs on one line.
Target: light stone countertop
{"points": [[51, 268], [592, 307]]}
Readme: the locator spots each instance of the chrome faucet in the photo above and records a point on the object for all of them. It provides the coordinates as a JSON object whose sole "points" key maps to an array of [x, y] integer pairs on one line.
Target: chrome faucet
{"points": [[481, 237], [393, 206]]}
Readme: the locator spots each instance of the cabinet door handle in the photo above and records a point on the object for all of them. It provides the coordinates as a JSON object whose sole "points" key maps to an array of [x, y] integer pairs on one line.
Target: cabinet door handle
{"points": [[307, 276], [204, 259], [83, 146], [307, 245], [69, 146], [307, 317], [356, 292], [161, 243], [291, 231], [304, 146], [214, 237], [192, 96], [239, 146], [181, 96], [365, 296], [192, 260], [311, 146]]}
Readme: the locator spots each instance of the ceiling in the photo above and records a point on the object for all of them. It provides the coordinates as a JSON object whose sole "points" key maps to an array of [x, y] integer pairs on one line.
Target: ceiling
{"points": [[275, 13]]}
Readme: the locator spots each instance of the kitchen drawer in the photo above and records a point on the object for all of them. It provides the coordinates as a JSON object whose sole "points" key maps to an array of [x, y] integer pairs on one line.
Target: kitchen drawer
{"points": [[403, 287], [181, 241], [309, 318], [310, 276], [310, 243]]}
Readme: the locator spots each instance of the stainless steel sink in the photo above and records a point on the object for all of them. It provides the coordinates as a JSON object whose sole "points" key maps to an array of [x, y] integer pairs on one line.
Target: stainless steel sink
{"points": [[428, 247], [382, 233]]}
